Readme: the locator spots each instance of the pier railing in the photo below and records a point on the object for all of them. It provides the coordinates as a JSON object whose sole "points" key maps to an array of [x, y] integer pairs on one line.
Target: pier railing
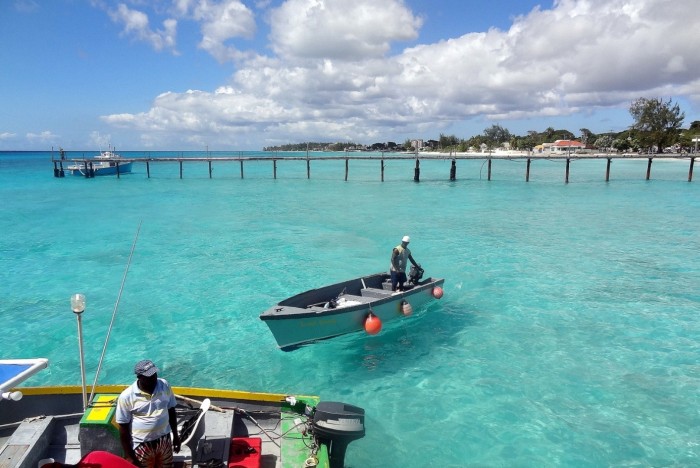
{"points": [[488, 158]]}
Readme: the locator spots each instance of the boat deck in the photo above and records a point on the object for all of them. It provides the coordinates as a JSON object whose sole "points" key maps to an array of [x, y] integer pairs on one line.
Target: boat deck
{"points": [[224, 433]]}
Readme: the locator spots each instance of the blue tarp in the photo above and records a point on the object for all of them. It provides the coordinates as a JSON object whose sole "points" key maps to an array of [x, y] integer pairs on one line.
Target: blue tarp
{"points": [[15, 371]]}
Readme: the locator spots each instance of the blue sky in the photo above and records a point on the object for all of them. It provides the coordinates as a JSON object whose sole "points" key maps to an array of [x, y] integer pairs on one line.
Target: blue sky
{"points": [[241, 75]]}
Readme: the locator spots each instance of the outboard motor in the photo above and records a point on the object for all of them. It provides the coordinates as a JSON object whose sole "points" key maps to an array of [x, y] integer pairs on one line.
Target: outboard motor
{"points": [[415, 274], [337, 424]]}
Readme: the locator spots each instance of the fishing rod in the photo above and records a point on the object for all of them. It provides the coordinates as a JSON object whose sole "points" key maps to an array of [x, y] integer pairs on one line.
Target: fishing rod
{"points": [[114, 313]]}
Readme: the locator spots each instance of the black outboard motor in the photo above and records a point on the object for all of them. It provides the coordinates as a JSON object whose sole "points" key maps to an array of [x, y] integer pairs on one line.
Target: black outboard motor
{"points": [[415, 274], [337, 424]]}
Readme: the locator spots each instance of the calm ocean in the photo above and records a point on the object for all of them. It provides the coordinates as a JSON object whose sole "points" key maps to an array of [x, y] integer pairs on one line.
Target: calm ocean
{"points": [[568, 335]]}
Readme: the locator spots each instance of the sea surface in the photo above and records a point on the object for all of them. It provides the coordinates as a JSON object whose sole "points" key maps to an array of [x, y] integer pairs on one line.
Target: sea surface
{"points": [[568, 335]]}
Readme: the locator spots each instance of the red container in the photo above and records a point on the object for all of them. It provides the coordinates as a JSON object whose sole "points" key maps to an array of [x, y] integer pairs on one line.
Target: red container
{"points": [[245, 452]]}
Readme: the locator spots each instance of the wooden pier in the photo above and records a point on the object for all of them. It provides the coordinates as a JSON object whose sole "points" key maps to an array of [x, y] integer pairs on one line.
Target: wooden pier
{"points": [[488, 159]]}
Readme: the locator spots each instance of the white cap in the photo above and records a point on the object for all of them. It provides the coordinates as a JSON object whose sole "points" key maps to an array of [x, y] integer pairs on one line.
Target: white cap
{"points": [[406, 239]]}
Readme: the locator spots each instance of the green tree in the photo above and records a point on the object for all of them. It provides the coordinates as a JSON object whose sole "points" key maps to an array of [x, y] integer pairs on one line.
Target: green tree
{"points": [[587, 136], [448, 141], [496, 135], [658, 122]]}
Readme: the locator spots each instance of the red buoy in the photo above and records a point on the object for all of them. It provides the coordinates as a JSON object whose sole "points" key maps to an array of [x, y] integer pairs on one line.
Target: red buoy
{"points": [[373, 324], [406, 308], [437, 292]]}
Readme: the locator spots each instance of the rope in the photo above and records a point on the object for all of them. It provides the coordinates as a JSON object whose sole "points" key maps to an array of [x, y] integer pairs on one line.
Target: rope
{"points": [[114, 313]]}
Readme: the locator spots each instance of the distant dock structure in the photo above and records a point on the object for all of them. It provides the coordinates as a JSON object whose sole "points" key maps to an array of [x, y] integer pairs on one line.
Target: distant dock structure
{"points": [[488, 158]]}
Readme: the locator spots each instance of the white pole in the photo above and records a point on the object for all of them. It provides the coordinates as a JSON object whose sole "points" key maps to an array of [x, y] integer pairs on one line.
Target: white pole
{"points": [[77, 302]]}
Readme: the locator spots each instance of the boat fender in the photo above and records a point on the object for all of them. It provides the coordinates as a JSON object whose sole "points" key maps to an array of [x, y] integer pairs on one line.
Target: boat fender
{"points": [[437, 292], [373, 324], [406, 308]]}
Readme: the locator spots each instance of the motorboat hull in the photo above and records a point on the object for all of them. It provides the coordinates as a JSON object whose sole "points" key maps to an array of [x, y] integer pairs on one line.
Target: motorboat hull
{"points": [[309, 317], [100, 168]]}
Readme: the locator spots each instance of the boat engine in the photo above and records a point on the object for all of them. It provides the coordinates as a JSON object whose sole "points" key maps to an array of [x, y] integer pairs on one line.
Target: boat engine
{"points": [[415, 274], [337, 424]]}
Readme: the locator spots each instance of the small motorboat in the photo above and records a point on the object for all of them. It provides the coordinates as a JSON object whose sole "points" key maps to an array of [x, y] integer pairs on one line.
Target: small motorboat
{"points": [[218, 427], [105, 163], [358, 304]]}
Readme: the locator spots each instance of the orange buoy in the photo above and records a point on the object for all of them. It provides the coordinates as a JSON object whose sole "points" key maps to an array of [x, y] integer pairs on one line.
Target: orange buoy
{"points": [[437, 292], [373, 324], [406, 308]]}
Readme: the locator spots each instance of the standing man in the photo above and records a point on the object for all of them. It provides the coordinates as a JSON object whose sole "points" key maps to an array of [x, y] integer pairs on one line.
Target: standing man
{"points": [[399, 258], [146, 416]]}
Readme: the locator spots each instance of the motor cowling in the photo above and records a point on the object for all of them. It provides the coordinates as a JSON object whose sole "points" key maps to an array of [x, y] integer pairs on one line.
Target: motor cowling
{"points": [[415, 274], [337, 424]]}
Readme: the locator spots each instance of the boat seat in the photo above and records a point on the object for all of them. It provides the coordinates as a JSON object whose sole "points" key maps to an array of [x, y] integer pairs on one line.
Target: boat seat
{"points": [[216, 443], [28, 443], [375, 293]]}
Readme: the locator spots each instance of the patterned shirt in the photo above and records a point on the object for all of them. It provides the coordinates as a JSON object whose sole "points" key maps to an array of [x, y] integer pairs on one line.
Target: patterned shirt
{"points": [[148, 414]]}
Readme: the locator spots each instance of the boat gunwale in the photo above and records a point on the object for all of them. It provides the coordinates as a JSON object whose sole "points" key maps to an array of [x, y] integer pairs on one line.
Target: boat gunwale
{"points": [[298, 312]]}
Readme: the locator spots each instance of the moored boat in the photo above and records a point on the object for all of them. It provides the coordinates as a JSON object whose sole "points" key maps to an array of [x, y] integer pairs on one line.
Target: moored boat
{"points": [[105, 163], [358, 304], [225, 427]]}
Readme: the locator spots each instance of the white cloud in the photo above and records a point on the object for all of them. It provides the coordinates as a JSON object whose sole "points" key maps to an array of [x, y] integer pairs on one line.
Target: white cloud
{"points": [[332, 76], [136, 25], [43, 137], [221, 22], [354, 30]]}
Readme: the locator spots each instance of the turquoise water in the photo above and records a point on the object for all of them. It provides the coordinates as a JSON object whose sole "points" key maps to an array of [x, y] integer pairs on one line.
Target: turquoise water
{"points": [[568, 334]]}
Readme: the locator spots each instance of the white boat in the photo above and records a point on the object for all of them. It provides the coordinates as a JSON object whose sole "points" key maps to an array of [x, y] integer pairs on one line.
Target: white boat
{"points": [[225, 427], [358, 304], [105, 163]]}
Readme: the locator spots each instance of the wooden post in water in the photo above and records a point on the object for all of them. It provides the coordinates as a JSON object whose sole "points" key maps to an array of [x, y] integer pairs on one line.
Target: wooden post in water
{"points": [[382, 167], [274, 168], [346, 168], [416, 172], [308, 167], [148, 169], [241, 168], [690, 171], [118, 170], [87, 173], [181, 168], [649, 168], [607, 170], [210, 168], [568, 162], [453, 170], [527, 171], [489, 172]]}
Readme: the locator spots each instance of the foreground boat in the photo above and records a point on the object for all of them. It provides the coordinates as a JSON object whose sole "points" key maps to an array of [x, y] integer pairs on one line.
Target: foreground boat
{"points": [[358, 304], [105, 163], [226, 428]]}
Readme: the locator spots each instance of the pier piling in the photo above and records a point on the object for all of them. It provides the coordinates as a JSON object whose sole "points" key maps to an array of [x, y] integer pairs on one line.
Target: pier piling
{"points": [[690, 171], [649, 169], [527, 171], [607, 170], [416, 172], [453, 170]]}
